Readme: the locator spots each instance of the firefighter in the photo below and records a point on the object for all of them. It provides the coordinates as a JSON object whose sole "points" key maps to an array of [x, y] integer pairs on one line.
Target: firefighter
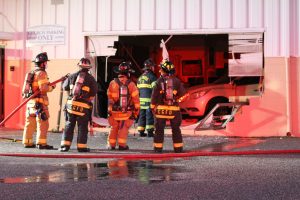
{"points": [[82, 88], [164, 105], [37, 113], [145, 84], [123, 106]]}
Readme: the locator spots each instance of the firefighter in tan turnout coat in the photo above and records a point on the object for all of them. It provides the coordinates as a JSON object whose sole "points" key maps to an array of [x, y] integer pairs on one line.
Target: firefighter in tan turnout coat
{"points": [[123, 106], [37, 113]]}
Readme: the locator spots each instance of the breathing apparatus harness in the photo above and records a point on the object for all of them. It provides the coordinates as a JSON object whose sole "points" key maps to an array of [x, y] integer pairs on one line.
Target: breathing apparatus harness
{"points": [[78, 103], [123, 104], [27, 90], [76, 91], [167, 86]]}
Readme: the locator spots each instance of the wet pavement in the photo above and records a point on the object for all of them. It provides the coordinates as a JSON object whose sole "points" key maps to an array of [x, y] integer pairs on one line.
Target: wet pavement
{"points": [[197, 177]]}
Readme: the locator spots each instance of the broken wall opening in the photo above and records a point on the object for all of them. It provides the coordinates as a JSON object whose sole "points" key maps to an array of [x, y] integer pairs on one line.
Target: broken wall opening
{"points": [[199, 59]]}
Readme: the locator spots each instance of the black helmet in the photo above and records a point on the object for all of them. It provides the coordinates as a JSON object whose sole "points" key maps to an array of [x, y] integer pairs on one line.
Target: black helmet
{"points": [[124, 68], [148, 64], [85, 63], [167, 67], [40, 58]]}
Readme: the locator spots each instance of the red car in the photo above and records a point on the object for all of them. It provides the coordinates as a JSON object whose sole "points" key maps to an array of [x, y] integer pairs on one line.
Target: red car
{"points": [[199, 100]]}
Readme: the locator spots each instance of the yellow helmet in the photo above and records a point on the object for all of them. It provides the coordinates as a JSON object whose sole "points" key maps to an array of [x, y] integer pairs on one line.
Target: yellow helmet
{"points": [[168, 67]]}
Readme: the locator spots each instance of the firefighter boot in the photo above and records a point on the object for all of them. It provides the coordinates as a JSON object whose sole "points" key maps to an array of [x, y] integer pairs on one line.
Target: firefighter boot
{"points": [[83, 149], [29, 146], [121, 148], [48, 147], [142, 134], [150, 133], [157, 150], [178, 150], [64, 148], [108, 147]]}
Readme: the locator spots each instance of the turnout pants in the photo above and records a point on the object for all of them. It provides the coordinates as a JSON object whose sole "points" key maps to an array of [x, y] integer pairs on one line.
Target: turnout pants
{"points": [[118, 132], [146, 120], [82, 123], [34, 123], [160, 125]]}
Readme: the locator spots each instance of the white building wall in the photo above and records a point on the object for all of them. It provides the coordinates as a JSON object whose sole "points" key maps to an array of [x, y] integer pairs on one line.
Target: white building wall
{"points": [[193, 16], [147, 15], [256, 13], [279, 19]]}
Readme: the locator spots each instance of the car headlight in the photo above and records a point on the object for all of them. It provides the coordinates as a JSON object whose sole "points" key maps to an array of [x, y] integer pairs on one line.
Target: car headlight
{"points": [[198, 94], [184, 97]]}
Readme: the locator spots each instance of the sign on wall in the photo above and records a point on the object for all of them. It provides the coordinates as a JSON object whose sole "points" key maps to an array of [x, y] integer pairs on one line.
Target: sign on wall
{"points": [[46, 35]]}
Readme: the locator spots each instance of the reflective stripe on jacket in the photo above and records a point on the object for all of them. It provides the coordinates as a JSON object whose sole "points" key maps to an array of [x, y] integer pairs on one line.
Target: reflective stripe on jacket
{"points": [[77, 107]]}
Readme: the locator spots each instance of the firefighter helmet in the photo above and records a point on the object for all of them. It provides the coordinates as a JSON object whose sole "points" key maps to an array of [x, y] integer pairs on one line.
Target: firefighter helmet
{"points": [[167, 67], [124, 68], [40, 58], [85, 63], [148, 64]]}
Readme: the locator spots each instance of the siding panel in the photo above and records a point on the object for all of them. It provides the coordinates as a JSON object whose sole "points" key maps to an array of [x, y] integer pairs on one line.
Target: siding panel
{"points": [[163, 14], [35, 12], [2, 18], [284, 27], [148, 14], [35, 19], [193, 17], [240, 13], [178, 18], [76, 27], [119, 15], [104, 15], [10, 18], [133, 15], [90, 15], [48, 12], [62, 13], [209, 14], [294, 28], [272, 35], [256, 17], [19, 26], [48, 18], [224, 13]]}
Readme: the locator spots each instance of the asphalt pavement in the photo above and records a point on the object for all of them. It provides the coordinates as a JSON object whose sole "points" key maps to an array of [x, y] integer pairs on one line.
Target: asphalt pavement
{"points": [[199, 174]]}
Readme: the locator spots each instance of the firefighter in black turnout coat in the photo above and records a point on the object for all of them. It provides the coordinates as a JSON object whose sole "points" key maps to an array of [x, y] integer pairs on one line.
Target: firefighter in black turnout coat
{"points": [[82, 89], [164, 104], [145, 84]]}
